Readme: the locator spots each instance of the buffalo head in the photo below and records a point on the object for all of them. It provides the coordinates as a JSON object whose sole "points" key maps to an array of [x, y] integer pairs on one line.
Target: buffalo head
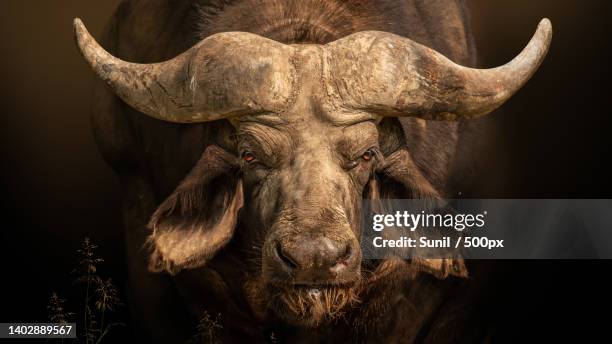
{"points": [[306, 146]]}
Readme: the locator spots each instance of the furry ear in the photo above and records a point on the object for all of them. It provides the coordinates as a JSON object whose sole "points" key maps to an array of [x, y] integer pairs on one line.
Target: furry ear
{"points": [[199, 217], [403, 179]]}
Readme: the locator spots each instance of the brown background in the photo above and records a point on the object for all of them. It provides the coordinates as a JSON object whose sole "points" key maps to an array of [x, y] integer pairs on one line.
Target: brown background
{"points": [[553, 141]]}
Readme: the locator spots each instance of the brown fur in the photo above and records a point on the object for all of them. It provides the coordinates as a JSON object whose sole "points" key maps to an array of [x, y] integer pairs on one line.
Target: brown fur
{"points": [[152, 157], [313, 309]]}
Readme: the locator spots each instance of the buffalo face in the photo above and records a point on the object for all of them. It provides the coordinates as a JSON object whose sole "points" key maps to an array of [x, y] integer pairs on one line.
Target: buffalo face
{"points": [[306, 121], [304, 182]]}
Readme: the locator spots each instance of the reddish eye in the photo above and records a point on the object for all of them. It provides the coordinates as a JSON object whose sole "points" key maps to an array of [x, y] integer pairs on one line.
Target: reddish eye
{"points": [[368, 155], [248, 157]]}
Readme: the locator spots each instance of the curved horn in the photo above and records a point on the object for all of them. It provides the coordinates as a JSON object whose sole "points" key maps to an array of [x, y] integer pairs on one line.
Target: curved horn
{"points": [[224, 75], [405, 79]]}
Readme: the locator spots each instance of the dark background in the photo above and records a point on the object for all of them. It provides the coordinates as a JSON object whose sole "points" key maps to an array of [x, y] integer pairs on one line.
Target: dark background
{"points": [[553, 141]]}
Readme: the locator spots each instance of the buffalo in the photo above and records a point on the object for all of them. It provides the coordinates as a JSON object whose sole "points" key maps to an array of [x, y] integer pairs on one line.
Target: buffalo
{"points": [[245, 135]]}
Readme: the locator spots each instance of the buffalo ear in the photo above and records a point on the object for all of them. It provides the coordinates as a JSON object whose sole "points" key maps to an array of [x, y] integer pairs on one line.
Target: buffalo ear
{"points": [[199, 217], [401, 178]]}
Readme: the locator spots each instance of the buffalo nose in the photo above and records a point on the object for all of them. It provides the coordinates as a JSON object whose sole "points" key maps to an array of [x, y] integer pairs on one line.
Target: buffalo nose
{"points": [[317, 260]]}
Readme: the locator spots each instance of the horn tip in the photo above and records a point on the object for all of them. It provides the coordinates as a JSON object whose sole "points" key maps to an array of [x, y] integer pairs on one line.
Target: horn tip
{"points": [[79, 29], [82, 37], [545, 22], [545, 26], [77, 24]]}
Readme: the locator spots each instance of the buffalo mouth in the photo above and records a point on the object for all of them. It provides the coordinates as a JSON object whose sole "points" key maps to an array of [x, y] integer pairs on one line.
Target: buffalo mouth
{"points": [[312, 305]]}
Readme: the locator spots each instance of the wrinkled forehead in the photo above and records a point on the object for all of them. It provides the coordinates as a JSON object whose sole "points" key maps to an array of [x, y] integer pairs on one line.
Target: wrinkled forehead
{"points": [[310, 92], [313, 114]]}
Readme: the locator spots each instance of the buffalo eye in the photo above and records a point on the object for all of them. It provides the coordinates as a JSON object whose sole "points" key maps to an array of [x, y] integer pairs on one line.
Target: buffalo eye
{"points": [[248, 156], [368, 155]]}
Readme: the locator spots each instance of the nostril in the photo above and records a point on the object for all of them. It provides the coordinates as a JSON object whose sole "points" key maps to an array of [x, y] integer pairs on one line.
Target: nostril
{"points": [[348, 252], [343, 259], [285, 258]]}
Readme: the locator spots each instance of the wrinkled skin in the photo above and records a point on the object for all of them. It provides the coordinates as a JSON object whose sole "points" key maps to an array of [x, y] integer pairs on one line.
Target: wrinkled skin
{"points": [[306, 184], [306, 173]]}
